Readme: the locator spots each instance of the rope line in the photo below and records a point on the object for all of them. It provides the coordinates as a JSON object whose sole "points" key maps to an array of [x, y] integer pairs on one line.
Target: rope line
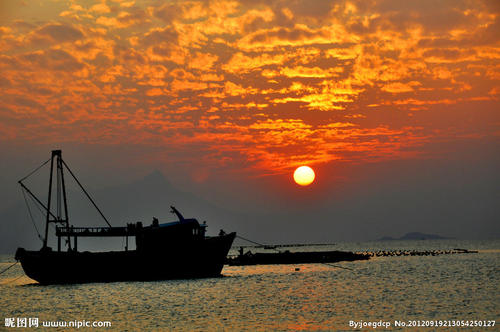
{"points": [[36, 169], [86, 193], [35, 203], [342, 267], [8, 267], [31, 215], [40, 208], [11, 281], [260, 244]]}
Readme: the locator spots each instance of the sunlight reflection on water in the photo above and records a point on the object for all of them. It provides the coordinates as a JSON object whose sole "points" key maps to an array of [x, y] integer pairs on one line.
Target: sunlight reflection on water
{"points": [[263, 298]]}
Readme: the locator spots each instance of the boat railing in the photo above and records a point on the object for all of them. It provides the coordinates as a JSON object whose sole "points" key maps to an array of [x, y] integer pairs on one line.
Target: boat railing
{"points": [[95, 231]]}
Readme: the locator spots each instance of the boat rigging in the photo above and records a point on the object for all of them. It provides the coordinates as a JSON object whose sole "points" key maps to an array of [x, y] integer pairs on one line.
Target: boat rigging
{"points": [[172, 250], [61, 214]]}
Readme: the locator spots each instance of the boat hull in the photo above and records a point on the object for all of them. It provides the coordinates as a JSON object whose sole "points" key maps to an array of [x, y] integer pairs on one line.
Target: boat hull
{"points": [[199, 259]]}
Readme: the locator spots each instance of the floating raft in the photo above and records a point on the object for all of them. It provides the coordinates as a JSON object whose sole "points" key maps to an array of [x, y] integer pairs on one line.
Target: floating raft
{"points": [[288, 257], [387, 253]]}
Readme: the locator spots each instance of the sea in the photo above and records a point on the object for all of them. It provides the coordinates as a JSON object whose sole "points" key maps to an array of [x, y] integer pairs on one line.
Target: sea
{"points": [[398, 293]]}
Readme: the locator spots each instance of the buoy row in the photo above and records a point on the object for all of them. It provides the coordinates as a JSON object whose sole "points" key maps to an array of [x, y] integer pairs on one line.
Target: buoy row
{"points": [[387, 253]]}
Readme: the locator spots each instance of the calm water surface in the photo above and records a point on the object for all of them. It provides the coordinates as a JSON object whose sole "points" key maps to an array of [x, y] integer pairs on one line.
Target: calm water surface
{"points": [[268, 298]]}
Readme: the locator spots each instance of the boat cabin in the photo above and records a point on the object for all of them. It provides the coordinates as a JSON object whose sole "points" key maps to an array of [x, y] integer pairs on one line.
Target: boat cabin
{"points": [[153, 237]]}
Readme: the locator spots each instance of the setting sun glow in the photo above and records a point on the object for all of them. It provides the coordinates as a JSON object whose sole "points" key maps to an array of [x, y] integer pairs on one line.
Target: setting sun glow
{"points": [[304, 175]]}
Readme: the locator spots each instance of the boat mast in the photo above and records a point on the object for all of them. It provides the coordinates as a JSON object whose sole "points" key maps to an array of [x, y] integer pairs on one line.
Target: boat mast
{"points": [[63, 187], [61, 191], [61, 213], [47, 220]]}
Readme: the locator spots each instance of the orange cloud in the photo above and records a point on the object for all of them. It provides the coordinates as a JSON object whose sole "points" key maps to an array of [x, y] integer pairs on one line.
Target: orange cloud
{"points": [[301, 71], [397, 87], [299, 35], [243, 63], [273, 85], [203, 61]]}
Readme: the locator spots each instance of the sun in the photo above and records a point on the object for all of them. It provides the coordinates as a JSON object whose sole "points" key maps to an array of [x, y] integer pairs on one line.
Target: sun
{"points": [[304, 175]]}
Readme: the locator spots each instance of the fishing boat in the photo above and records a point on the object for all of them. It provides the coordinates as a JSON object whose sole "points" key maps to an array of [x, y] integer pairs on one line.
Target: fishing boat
{"points": [[175, 250]]}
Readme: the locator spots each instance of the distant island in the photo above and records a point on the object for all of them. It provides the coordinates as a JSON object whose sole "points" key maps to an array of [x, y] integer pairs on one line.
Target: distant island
{"points": [[414, 236]]}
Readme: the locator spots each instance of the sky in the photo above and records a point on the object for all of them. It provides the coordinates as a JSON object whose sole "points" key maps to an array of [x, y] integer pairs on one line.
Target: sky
{"points": [[391, 102]]}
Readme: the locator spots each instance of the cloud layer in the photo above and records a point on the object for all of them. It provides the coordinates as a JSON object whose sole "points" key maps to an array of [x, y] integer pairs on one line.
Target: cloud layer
{"points": [[253, 85]]}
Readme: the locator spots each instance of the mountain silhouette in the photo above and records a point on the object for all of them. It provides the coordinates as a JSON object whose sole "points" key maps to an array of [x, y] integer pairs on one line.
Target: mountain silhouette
{"points": [[414, 236]]}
